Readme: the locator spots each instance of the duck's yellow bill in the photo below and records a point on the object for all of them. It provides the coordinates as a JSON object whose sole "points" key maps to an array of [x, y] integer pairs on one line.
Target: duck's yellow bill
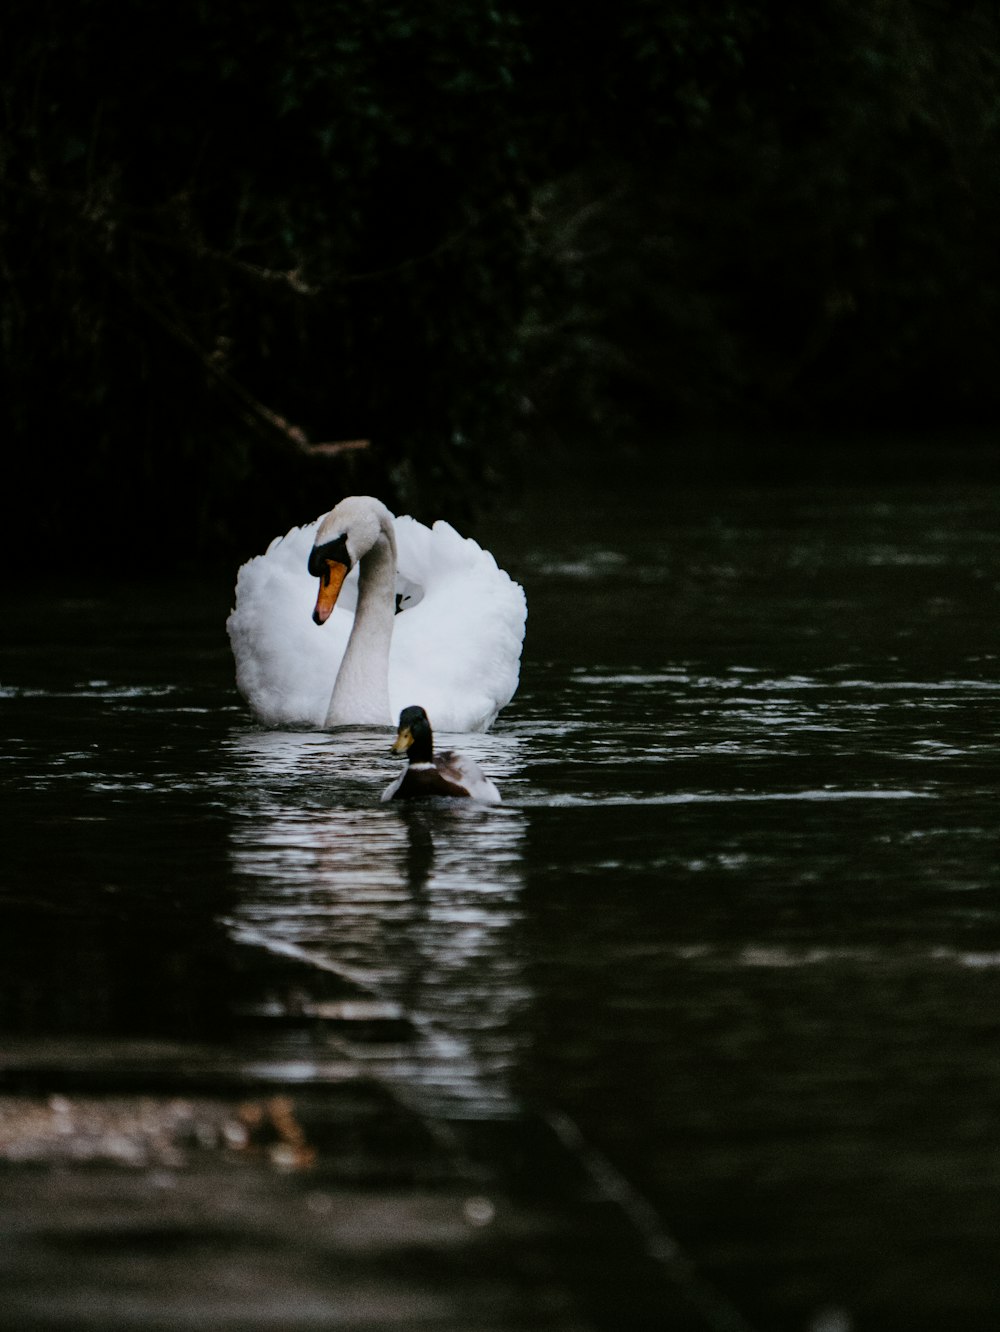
{"points": [[402, 741], [329, 590]]}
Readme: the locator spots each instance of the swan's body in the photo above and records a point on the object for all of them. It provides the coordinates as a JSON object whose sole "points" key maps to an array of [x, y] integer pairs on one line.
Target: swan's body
{"points": [[456, 643], [430, 775]]}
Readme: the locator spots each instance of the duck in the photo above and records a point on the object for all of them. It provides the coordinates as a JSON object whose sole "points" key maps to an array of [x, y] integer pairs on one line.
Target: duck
{"points": [[427, 774], [340, 622]]}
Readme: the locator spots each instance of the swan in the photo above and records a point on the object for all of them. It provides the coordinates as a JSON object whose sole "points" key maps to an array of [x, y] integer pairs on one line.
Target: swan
{"points": [[456, 643], [428, 774]]}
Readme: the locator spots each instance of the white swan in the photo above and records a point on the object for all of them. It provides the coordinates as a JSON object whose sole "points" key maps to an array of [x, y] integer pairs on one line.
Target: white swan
{"points": [[455, 648]]}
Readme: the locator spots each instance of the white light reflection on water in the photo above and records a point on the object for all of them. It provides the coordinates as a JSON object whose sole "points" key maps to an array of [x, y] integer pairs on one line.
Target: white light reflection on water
{"points": [[832, 682], [736, 797], [417, 907], [102, 690], [777, 957]]}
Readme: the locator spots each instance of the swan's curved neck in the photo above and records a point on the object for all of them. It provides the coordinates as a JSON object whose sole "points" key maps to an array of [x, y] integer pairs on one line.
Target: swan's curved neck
{"points": [[361, 693]]}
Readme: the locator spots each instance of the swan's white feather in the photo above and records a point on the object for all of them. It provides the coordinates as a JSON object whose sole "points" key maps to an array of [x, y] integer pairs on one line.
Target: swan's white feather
{"points": [[456, 651]]}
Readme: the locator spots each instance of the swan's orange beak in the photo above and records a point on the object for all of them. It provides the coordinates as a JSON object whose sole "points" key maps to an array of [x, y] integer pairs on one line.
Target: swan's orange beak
{"points": [[330, 584]]}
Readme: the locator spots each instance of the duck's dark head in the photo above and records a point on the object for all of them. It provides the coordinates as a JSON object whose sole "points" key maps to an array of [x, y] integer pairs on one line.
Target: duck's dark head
{"points": [[414, 735]]}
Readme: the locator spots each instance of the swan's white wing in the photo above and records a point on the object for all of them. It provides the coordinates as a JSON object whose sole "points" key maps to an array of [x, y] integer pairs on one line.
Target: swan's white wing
{"points": [[285, 664], [457, 652]]}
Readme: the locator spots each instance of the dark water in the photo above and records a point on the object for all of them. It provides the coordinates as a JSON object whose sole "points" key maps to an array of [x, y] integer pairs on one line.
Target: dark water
{"points": [[737, 916]]}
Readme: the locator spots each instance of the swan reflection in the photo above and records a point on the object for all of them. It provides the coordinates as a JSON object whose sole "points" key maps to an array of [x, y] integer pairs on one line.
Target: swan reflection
{"points": [[419, 907]]}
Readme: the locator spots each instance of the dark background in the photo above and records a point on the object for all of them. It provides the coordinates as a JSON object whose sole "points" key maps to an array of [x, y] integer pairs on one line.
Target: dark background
{"points": [[472, 243]]}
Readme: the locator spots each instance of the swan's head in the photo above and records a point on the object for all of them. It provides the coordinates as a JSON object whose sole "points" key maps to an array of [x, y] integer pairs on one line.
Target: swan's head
{"points": [[344, 537]]}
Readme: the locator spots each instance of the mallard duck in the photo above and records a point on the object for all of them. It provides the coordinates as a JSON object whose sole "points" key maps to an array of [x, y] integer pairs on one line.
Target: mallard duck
{"points": [[456, 642], [427, 774]]}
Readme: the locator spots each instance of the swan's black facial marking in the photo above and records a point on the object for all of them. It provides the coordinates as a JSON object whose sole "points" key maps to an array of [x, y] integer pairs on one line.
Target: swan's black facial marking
{"points": [[333, 551]]}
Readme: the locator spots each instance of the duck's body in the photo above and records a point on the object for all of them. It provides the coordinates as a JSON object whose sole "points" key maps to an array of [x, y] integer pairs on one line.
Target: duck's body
{"points": [[428, 774], [456, 643]]}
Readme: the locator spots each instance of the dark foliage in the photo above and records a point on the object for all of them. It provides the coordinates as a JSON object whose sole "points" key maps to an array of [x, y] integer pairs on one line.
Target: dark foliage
{"points": [[778, 217], [220, 222], [228, 236]]}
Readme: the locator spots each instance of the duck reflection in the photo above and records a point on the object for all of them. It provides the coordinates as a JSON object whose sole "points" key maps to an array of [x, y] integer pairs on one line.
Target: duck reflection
{"points": [[419, 858], [414, 909]]}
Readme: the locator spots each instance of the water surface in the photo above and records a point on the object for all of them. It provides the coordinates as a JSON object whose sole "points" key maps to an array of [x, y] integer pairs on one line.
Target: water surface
{"points": [[736, 918]]}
